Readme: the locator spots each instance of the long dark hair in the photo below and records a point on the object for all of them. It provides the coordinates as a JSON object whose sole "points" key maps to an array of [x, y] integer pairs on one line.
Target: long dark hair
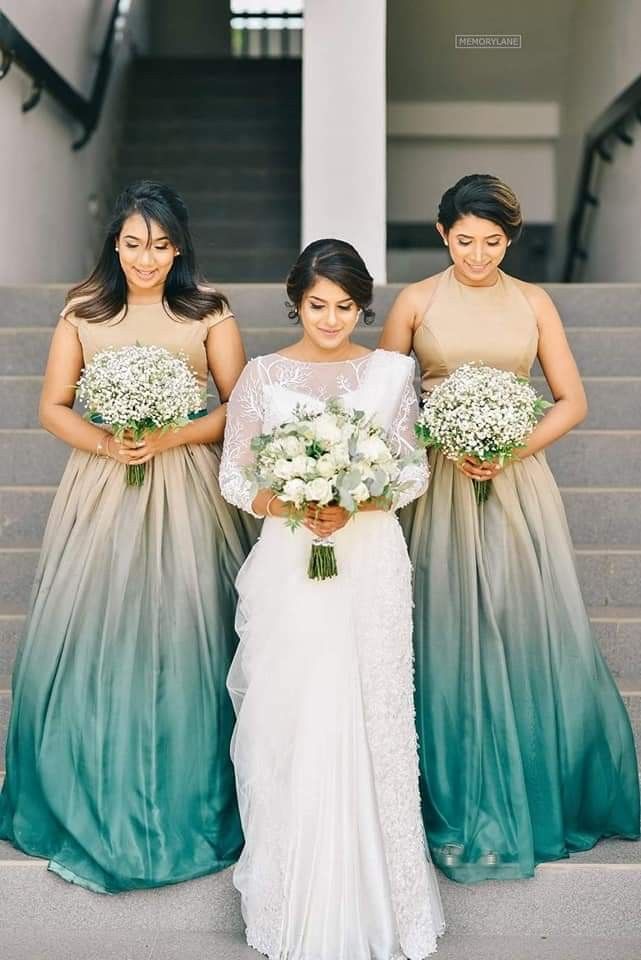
{"points": [[103, 295], [484, 196], [338, 261]]}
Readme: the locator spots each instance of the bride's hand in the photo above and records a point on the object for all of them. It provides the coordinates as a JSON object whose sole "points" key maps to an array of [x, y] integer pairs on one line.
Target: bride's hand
{"points": [[324, 521], [477, 469]]}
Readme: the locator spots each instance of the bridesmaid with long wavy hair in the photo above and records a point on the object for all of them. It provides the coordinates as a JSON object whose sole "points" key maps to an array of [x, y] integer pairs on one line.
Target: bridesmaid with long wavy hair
{"points": [[118, 768], [527, 750]]}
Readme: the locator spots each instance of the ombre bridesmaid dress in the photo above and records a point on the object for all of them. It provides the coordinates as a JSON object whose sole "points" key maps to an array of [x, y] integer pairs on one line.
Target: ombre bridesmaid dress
{"points": [[118, 767], [527, 752]]}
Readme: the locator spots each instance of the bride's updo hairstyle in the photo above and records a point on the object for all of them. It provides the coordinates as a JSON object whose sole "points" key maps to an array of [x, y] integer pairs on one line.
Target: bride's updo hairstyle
{"points": [[335, 260], [484, 196]]}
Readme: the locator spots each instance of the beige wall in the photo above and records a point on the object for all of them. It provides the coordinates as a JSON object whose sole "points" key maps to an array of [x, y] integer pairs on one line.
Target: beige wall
{"points": [[49, 233], [423, 63], [603, 59]]}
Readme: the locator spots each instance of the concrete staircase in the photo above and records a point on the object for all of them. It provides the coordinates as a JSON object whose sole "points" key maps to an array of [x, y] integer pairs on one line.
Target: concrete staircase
{"points": [[587, 907], [227, 135]]}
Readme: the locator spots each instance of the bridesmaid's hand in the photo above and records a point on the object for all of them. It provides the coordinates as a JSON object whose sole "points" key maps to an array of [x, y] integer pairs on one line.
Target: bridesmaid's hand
{"points": [[479, 469], [123, 450], [152, 444], [324, 521]]}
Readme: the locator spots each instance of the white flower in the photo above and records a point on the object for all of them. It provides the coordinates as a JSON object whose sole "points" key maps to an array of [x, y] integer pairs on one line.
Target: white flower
{"points": [[284, 469], [301, 465], [319, 491], [293, 492], [135, 385], [326, 465], [373, 449], [360, 493], [326, 430], [292, 446]]}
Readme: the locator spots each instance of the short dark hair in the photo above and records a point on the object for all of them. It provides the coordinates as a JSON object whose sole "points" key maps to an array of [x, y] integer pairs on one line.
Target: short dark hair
{"points": [[335, 260], [485, 196]]}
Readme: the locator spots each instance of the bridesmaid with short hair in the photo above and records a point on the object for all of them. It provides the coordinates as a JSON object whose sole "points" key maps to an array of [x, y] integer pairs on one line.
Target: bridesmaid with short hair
{"points": [[527, 750], [118, 768]]}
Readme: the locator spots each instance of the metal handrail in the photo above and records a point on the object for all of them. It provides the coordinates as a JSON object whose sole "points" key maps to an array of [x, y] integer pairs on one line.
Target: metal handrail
{"points": [[611, 123], [15, 48]]}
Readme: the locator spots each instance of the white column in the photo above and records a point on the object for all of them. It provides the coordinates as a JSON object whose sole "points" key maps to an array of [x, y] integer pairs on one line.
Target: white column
{"points": [[344, 126]]}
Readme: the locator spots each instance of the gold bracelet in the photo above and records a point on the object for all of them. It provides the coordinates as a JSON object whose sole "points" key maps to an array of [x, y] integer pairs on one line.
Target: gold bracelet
{"points": [[100, 449], [268, 511]]}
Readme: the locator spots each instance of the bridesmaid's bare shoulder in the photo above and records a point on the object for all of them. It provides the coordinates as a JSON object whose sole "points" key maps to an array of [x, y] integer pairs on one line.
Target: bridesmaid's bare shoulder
{"points": [[416, 297], [539, 300]]}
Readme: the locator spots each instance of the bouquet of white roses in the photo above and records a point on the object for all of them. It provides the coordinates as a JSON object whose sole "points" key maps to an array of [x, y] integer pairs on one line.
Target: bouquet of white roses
{"points": [[482, 412], [336, 456], [139, 389]]}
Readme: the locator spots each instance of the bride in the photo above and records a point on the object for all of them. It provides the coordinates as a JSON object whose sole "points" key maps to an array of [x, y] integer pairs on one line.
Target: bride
{"points": [[335, 864]]}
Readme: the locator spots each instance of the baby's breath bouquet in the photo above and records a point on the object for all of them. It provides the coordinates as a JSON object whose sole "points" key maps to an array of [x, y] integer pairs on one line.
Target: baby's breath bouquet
{"points": [[482, 412], [139, 389], [335, 456]]}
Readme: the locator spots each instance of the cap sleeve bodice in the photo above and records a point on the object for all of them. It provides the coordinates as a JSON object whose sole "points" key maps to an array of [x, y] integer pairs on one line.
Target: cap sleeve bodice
{"points": [[149, 324]]}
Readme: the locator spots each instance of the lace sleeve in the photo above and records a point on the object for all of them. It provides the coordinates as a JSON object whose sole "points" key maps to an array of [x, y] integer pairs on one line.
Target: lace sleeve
{"points": [[244, 421], [415, 475]]}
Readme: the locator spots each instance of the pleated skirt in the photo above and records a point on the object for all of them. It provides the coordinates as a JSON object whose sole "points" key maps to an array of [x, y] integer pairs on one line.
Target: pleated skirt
{"points": [[527, 752], [118, 768]]}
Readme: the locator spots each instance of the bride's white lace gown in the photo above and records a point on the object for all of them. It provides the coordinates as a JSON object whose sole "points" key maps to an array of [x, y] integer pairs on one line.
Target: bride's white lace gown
{"points": [[335, 864]]}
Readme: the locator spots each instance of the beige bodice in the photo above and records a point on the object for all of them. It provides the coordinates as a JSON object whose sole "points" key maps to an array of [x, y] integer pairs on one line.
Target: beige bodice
{"points": [[463, 324], [149, 324]]}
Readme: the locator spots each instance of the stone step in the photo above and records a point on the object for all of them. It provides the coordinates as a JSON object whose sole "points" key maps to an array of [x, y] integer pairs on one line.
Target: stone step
{"points": [[230, 130], [595, 514], [229, 234], [598, 352], [610, 576], [250, 151], [614, 402], [208, 109], [584, 458], [570, 897], [283, 178], [617, 629], [37, 944], [261, 304]]}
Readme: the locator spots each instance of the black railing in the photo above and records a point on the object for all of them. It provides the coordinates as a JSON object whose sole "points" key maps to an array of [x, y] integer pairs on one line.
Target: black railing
{"points": [[598, 152], [15, 48], [267, 25]]}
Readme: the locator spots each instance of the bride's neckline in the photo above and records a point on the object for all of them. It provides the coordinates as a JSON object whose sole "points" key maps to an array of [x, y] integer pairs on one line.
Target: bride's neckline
{"points": [[324, 363]]}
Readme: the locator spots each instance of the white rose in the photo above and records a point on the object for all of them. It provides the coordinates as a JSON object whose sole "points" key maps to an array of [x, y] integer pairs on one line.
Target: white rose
{"points": [[293, 492], [293, 446], [373, 449], [301, 465], [326, 429], [360, 493], [326, 466], [283, 470], [319, 491]]}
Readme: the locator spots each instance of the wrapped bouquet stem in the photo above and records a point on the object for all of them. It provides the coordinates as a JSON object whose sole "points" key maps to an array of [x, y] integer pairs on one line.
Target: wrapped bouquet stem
{"points": [[481, 412], [335, 457], [137, 390]]}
